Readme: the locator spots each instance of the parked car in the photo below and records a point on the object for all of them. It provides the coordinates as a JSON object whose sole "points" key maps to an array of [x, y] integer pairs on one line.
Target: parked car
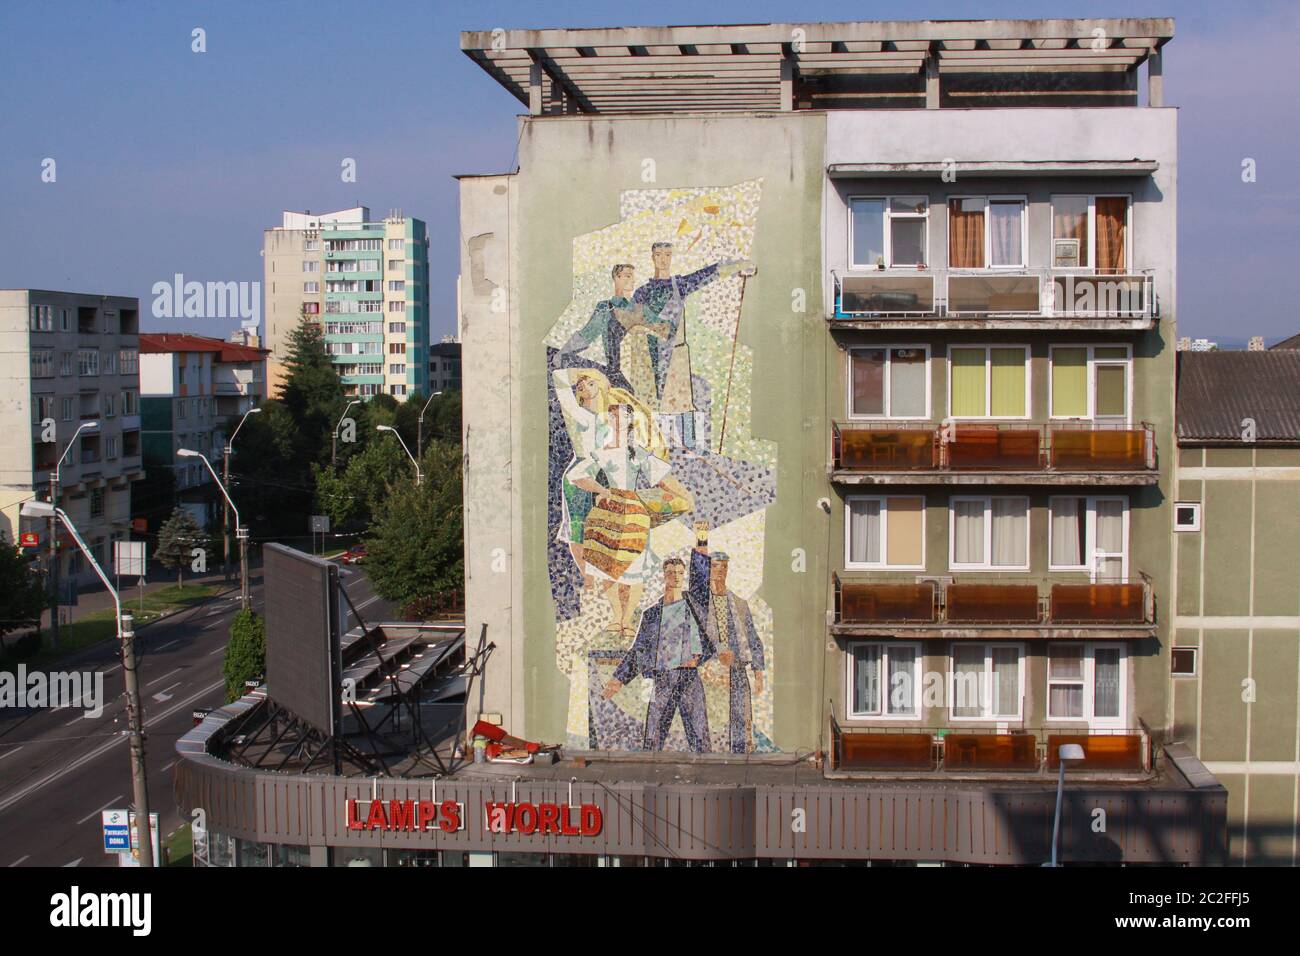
{"points": [[354, 555]]}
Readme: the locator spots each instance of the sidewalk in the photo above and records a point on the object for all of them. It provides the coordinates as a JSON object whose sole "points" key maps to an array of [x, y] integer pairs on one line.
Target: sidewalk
{"points": [[98, 599]]}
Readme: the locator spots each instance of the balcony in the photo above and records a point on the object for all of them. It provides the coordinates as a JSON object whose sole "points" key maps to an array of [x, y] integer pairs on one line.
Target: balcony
{"points": [[1023, 299], [1065, 453], [974, 607]]}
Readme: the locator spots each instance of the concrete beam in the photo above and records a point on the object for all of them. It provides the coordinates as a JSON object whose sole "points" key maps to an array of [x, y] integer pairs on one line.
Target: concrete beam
{"points": [[1155, 79], [932, 81]]}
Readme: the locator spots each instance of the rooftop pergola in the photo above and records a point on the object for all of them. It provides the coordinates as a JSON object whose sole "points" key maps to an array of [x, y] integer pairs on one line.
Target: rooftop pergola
{"points": [[757, 67]]}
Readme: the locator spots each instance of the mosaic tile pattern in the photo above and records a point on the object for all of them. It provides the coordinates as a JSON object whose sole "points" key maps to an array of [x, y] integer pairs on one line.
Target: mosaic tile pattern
{"points": [[656, 513]]}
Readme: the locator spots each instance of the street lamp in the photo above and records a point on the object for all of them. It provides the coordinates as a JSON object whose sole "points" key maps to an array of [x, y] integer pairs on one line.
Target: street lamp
{"points": [[419, 430], [225, 476], [390, 428], [55, 488], [334, 438], [1069, 753], [240, 531], [134, 711]]}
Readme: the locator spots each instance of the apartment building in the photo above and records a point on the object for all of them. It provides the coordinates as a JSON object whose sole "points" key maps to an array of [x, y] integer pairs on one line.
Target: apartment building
{"points": [[191, 387], [444, 366], [366, 282], [859, 342], [70, 367], [1235, 656]]}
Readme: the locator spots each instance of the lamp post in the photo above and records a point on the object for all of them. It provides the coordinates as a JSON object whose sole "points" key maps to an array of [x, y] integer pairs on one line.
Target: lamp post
{"points": [[55, 488], [419, 429], [225, 476], [334, 438], [134, 709], [390, 428], [1069, 753], [241, 533]]}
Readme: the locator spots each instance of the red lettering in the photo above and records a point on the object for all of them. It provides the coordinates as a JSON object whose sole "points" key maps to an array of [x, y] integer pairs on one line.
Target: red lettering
{"points": [[522, 810], [375, 820], [354, 819], [401, 815], [550, 818], [566, 821], [428, 810], [591, 819], [450, 821]]}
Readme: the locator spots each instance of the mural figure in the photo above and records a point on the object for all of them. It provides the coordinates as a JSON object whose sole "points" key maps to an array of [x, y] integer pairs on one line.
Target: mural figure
{"points": [[669, 649], [621, 461], [729, 628], [610, 321], [669, 355]]}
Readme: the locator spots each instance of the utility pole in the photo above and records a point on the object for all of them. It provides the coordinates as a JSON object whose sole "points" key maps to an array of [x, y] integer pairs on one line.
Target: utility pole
{"points": [[135, 727], [419, 428], [54, 561], [225, 521]]}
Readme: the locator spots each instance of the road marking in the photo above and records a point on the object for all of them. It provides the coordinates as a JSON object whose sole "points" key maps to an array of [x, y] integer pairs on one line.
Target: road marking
{"points": [[168, 766], [208, 627], [102, 749], [167, 645], [75, 719], [11, 752], [20, 859], [95, 813], [76, 862], [219, 650], [164, 677], [162, 696]]}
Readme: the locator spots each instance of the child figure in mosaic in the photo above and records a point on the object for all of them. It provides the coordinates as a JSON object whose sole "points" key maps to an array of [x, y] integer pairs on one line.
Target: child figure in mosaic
{"points": [[619, 458]]}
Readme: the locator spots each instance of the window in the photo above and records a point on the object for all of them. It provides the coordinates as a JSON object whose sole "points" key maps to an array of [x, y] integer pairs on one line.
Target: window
{"points": [[397, 328], [311, 245], [42, 318], [396, 245], [988, 381], [110, 363], [397, 369], [311, 288], [988, 534], [889, 382], [110, 447], [1182, 662], [110, 404], [67, 408], [1091, 232], [1085, 681], [181, 409], [1187, 516], [1090, 534], [986, 232], [43, 407], [397, 389], [311, 265], [42, 363], [311, 308], [65, 363], [130, 403], [368, 390], [396, 305], [396, 348], [888, 231], [987, 682], [1091, 381], [96, 502], [884, 532], [65, 320], [396, 264], [87, 362], [396, 285], [883, 680], [128, 360]]}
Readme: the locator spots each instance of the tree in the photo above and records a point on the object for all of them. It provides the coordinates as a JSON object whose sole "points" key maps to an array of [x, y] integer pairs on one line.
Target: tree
{"points": [[22, 598], [245, 653], [312, 391], [415, 552], [355, 492], [177, 539]]}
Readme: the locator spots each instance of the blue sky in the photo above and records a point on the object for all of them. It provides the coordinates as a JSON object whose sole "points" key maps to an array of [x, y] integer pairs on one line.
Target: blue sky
{"points": [[171, 161]]}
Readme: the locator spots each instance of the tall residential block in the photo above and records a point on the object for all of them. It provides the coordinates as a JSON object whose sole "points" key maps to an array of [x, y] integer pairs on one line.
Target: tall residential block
{"points": [[366, 282], [66, 360]]}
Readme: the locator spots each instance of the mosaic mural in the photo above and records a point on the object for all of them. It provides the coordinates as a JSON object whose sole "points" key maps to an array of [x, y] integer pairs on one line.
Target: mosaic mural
{"points": [[658, 490]]}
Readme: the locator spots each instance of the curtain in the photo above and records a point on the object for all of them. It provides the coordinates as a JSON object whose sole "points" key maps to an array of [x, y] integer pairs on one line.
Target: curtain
{"points": [[902, 680], [1070, 221], [965, 234], [1112, 391], [967, 382], [1004, 228], [1006, 682], [1008, 371], [968, 680], [1110, 539], [1065, 681], [907, 382], [1068, 532], [968, 532], [864, 532], [1105, 701], [866, 679], [1010, 532], [1112, 252], [1070, 382], [904, 545], [868, 381]]}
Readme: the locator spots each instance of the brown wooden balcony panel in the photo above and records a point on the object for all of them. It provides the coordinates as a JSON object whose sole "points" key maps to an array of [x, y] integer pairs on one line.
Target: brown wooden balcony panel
{"points": [[886, 751], [1100, 751], [985, 294], [1007, 603], [1109, 603], [990, 752], [886, 449], [994, 448], [1087, 449], [864, 294], [871, 603], [1101, 295]]}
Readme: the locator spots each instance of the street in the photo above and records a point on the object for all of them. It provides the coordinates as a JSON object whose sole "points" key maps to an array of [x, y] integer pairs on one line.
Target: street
{"points": [[59, 769]]}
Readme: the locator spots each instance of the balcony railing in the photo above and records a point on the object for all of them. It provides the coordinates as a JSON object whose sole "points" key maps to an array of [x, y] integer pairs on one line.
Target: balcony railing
{"points": [[964, 294], [1058, 447], [977, 602]]}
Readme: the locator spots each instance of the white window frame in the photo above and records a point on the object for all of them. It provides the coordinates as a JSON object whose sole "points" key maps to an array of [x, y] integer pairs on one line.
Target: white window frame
{"points": [[1196, 662], [987, 199], [1196, 519], [851, 565], [987, 564], [988, 382], [882, 703], [1090, 524], [1090, 268], [986, 687], [889, 362], [1092, 363], [887, 243], [1089, 682]]}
